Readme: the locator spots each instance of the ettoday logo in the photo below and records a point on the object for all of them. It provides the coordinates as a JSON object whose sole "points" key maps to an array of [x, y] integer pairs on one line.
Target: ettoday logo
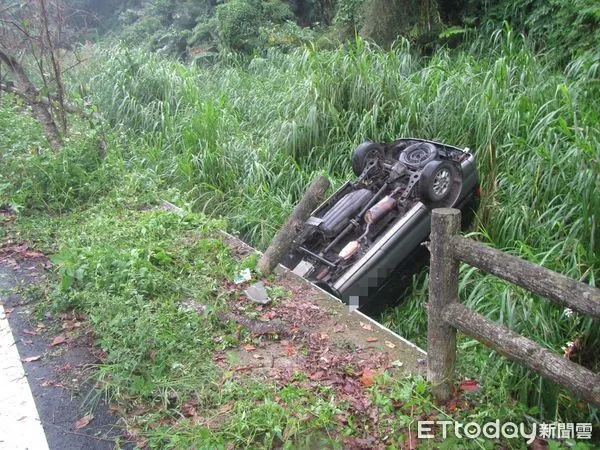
{"points": [[508, 430]]}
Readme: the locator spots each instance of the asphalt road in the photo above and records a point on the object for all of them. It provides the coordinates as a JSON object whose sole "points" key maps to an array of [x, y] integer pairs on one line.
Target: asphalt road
{"points": [[60, 380]]}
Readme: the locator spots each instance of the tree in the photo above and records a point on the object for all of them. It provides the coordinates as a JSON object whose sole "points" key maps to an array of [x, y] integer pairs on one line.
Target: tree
{"points": [[31, 36], [385, 20], [240, 22]]}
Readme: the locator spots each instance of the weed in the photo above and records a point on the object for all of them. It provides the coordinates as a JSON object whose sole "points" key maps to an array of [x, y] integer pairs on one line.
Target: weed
{"points": [[242, 141]]}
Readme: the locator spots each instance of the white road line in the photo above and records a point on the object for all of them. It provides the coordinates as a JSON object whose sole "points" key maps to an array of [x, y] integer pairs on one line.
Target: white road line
{"points": [[20, 426]]}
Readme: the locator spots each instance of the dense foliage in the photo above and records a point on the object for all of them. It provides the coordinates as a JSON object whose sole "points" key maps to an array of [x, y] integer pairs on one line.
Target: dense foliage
{"points": [[562, 29], [279, 120], [241, 138], [193, 28]]}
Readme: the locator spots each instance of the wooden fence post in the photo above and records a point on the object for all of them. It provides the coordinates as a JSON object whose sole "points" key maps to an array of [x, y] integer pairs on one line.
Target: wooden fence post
{"points": [[284, 238], [443, 290]]}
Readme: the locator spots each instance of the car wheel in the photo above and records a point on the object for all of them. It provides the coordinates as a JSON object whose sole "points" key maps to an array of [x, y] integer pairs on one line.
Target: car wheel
{"points": [[418, 155], [440, 183], [363, 153]]}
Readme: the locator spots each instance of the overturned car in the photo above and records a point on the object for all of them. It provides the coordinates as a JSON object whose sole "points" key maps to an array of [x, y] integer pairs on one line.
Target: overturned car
{"points": [[367, 236]]}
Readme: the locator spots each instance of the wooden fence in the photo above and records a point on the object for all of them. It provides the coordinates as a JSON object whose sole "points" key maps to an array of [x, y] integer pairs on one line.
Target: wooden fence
{"points": [[447, 314]]}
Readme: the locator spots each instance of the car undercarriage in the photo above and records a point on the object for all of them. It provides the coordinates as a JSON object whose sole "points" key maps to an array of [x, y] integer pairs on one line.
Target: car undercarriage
{"points": [[365, 230]]}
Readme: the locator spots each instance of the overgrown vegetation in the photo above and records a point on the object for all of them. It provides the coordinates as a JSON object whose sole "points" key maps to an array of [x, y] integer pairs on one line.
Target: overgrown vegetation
{"points": [[242, 137], [565, 30], [140, 273], [195, 30]]}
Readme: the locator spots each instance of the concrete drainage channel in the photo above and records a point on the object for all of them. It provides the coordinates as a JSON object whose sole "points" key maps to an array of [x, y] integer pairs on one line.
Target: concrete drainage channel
{"points": [[412, 356]]}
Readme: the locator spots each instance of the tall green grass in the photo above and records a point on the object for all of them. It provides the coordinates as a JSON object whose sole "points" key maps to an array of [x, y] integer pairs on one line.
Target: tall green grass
{"points": [[244, 138]]}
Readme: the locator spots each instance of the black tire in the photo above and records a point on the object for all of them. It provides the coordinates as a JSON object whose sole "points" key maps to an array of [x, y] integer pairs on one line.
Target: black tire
{"points": [[440, 184], [363, 153], [418, 155]]}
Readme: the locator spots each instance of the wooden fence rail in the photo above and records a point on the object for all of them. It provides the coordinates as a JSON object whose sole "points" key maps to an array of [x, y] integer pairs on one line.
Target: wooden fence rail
{"points": [[447, 314]]}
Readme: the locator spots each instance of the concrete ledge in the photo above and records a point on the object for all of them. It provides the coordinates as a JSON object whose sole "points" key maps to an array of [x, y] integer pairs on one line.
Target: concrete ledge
{"points": [[362, 331]]}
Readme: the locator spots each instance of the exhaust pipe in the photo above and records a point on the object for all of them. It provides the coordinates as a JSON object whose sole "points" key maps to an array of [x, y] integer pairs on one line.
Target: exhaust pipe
{"points": [[384, 206]]}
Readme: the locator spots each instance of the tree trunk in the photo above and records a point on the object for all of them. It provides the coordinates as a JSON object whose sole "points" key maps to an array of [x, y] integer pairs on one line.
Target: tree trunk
{"points": [[385, 20], [31, 94], [51, 49]]}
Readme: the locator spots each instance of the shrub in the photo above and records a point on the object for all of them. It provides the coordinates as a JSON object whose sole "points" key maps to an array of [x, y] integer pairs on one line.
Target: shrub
{"points": [[33, 177]]}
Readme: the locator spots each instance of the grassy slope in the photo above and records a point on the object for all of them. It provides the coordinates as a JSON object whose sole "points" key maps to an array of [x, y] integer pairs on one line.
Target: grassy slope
{"points": [[242, 140], [134, 270]]}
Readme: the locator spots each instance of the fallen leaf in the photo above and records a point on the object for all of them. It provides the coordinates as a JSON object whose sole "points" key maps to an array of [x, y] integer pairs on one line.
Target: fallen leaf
{"points": [[290, 350], [367, 378], [452, 405], [60, 339], [470, 386], [339, 328], [269, 315], [571, 348], [33, 255], [249, 347], [397, 363], [350, 388], [323, 335], [47, 383], [317, 375], [70, 325], [32, 358], [366, 326], [84, 421], [539, 444], [189, 410], [7, 311], [389, 344], [257, 356], [31, 332], [140, 410], [342, 418], [372, 339]]}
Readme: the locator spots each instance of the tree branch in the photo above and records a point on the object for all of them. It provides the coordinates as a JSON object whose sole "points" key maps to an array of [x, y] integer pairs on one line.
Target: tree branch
{"points": [[7, 8], [17, 26], [30, 93], [12, 89]]}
